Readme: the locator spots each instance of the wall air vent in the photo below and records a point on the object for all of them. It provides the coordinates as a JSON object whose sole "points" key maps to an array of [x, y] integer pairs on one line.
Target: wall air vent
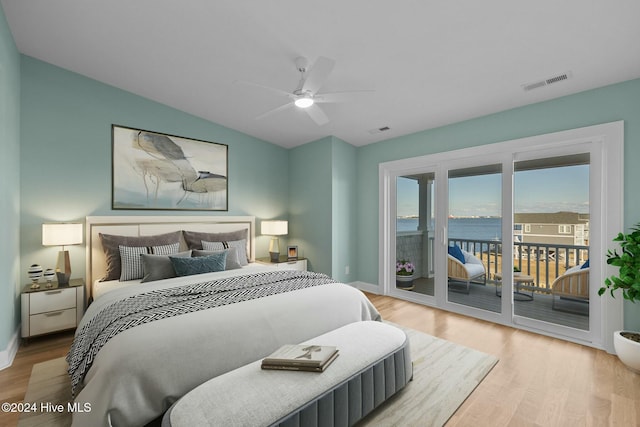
{"points": [[379, 130], [546, 82]]}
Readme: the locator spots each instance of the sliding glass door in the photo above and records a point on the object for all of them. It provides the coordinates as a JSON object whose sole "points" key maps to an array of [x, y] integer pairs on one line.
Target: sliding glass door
{"points": [[551, 241], [507, 232], [415, 264], [474, 236]]}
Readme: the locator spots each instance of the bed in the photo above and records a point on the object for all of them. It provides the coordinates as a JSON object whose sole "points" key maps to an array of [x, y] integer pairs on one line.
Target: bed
{"points": [[133, 375]]}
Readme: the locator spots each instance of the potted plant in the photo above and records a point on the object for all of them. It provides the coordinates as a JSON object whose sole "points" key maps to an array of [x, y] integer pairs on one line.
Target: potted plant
{"points": [[516, 271], [626, 343], [404, 274]]}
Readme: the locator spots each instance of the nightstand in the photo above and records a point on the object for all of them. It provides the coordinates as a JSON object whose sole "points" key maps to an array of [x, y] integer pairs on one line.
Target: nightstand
{"points": [[284, 263], [46, 310]]}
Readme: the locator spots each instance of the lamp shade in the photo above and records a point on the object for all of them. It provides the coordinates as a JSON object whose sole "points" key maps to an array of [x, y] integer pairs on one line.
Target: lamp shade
{"points": [[274, 228], [61, 234]]}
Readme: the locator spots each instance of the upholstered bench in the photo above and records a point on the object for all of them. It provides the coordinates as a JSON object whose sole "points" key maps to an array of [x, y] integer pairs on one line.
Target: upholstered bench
{"points": [[373, 364]]}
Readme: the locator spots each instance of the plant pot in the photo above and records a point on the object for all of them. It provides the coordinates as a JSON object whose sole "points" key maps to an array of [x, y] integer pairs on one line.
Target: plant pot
{"points": [[404, 282], [628, 351]]}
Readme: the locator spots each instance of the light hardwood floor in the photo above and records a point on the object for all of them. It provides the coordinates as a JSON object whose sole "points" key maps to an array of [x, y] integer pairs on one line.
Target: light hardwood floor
{"points": [[14, 380], [539, 381]]}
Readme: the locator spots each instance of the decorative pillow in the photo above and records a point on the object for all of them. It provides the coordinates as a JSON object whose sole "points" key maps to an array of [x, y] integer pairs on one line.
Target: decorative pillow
{"points": [[456, 252], [585, 265], [232, 257], [194, 238], [203, 264], [240, 245], [132, 261], [158, 267], [111, 243]]}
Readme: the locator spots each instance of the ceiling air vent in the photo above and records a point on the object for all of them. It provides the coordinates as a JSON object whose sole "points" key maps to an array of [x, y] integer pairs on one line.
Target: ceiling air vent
{"points": [[555, 79], [379, 130]]}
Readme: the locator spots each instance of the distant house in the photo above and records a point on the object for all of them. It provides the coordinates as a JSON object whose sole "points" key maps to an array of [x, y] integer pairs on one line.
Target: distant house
{"points": [[562, 228], [559, 228]]}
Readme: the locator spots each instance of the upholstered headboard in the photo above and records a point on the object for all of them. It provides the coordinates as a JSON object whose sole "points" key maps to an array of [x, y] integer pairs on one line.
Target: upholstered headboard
{"points": [[151, 225]]}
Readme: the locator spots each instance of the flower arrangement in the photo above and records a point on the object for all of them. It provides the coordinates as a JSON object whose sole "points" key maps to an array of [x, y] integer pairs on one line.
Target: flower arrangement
{"points": [[404, 268]]}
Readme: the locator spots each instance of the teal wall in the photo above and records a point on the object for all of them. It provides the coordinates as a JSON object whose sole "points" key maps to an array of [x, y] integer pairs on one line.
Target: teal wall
{"points": [[322, 211], [310, 203], [607, 104], [9, 188], [66, 157], [343, 211]]}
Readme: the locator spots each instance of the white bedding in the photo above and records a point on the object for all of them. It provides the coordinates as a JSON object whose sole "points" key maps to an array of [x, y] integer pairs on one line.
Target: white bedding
{"points": [[140, 372], [101, 288]]}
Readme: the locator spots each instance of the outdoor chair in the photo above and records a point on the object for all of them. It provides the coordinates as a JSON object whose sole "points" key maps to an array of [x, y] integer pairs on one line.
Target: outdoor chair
{"points": [[573, 284], [471, 269]]}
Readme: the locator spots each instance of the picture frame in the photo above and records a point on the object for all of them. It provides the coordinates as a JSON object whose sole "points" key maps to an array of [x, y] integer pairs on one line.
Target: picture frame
{"points": [[159, 171], [292, 253]]}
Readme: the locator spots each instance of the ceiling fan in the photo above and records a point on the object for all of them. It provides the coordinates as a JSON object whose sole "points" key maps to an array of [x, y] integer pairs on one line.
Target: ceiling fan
{"points": [[306, 96]]}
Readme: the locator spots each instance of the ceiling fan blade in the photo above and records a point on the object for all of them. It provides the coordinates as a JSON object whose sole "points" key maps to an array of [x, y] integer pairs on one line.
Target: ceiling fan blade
{"points": [[318, 74], [342, 96], [317, 115], [269, 88], [275, 110]]}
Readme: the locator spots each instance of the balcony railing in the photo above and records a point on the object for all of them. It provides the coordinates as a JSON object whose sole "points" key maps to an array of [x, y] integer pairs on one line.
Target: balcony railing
{"points": [[543, 261]]}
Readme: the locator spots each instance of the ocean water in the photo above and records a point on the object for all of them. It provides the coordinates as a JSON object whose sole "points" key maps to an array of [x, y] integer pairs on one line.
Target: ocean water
{"points": [[462, 228]]}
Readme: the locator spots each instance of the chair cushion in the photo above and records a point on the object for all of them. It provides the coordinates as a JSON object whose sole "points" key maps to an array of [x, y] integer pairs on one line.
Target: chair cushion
{"points": [[456, 252], [474, 270]]}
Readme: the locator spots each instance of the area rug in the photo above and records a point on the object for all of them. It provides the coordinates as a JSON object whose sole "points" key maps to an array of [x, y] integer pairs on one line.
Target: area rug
{"points": [[444, 374], [48, 388]]}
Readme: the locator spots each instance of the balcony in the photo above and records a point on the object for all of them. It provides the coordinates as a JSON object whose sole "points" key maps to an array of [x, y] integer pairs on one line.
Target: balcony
{"points": [[543, 262]]}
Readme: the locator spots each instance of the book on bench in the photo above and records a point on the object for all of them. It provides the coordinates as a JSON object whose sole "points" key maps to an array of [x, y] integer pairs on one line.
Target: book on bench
{"points": [[301, 357]]}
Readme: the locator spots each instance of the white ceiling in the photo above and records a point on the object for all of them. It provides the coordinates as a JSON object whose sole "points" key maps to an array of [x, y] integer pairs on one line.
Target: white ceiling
{"points": [[431, 62]]}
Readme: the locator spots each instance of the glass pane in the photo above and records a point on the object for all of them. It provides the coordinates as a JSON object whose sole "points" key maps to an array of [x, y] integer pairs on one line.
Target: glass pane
{"points": [[551, 240], [475, 237], [415, 233]]}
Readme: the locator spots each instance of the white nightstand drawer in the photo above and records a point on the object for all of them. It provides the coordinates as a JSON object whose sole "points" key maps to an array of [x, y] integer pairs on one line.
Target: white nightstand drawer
{"points": [[300, 264], [55, 299], [52, 321]]}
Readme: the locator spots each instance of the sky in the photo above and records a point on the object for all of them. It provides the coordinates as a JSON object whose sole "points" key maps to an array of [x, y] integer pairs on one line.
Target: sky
{"points": [[542, 190]]}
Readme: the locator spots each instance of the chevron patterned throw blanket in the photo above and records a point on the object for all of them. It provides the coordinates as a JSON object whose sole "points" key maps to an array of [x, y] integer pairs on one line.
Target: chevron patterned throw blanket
{"points": [[161, 304]]}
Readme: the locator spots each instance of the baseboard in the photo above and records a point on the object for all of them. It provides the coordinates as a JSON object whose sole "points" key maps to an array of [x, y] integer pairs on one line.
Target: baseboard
{"points": [[367, 287], [7, 355]]}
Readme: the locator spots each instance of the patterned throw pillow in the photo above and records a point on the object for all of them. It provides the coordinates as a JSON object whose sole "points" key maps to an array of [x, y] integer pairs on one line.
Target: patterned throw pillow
{"points": [[194, 238], [131, 261], [240, 245], [199, 265]]}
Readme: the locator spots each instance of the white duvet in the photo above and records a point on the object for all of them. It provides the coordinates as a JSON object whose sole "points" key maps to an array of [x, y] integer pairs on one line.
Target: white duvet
{"points": [[139, 373]]}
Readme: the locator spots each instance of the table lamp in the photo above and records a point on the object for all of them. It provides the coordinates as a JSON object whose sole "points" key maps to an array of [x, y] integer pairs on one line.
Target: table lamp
{"points": [[62, 234], [274, 228]]}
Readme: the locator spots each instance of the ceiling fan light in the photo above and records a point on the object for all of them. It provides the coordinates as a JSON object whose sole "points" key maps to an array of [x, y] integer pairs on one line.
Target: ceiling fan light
{"points": [[304, 102]]}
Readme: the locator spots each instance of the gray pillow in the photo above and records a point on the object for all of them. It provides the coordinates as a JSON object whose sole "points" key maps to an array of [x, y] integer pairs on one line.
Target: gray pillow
{"points": [[158, 267], [203, 264], [240, 245], [111, 242], [232, 257], [194, 238]]}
